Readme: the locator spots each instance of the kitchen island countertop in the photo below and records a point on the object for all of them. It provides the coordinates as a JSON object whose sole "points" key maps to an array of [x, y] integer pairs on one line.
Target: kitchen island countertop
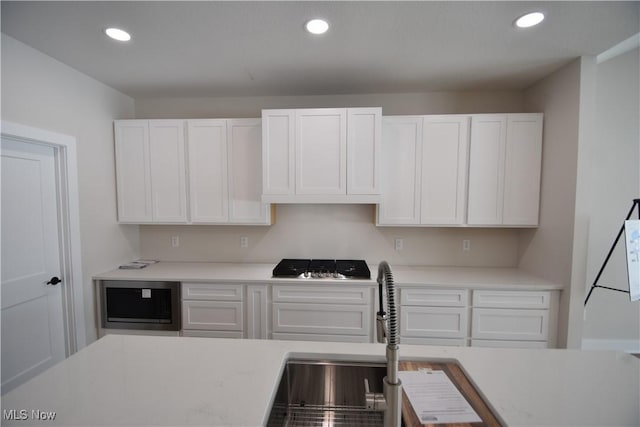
{"points": [[468, 277], [177, 381]]}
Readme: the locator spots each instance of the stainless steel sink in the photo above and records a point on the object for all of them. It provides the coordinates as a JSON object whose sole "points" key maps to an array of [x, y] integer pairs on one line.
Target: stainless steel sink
{"points": [[326, 393]]}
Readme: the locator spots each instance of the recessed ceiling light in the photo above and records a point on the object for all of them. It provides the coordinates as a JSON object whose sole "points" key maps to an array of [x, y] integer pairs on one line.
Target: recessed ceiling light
{"points": [[529, 20], [118, 34], [317, 26]]}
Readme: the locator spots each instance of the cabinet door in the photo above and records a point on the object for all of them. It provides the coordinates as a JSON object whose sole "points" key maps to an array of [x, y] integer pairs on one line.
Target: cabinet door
{"points": [[278, 152], [245, 172], [363, 150], [321, 151], [257, 312], [445, 149], [168, 172], [509, 324], [486, 169], [401, 167], [522, 169], [212, 315], [208, 186], [132, 171], [434, 322]]}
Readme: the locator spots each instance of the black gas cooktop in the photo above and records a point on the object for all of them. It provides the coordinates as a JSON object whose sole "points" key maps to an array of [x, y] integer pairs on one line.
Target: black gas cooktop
{"points": [[322, 268]]}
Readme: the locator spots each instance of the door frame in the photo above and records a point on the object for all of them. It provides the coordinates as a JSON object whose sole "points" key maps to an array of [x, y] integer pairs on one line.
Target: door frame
{"points": [[68, 225]]}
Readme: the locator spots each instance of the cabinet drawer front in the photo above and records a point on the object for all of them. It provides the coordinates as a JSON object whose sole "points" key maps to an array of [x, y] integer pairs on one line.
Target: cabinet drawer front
{"points": [[508, 344], [447, 342], [212, 291], [503, 324], [511, 299], [434, 322], [211, 334], [212, 315], [321, 337], [321, 319], [324, 294], [435, 297]]}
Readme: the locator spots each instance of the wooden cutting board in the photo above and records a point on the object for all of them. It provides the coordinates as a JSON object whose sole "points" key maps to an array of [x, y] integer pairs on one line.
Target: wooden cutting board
{"points": [[458, 377]]}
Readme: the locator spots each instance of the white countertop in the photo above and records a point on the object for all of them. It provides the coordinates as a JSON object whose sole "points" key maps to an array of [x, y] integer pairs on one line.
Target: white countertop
{"points": [[178, 381], [471, 277]]}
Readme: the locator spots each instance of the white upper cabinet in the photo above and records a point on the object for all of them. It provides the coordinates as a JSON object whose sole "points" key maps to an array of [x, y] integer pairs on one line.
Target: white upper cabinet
{"points": [[326, 155], [445, 150], [424, 171], [224, 159], [151, 174], [364, 141], [400, 172], [278, 152], [321, 151], [244, 150], [133, 174], [504, 170], [208, 185], [523, 161], [458, 170], [486, 169]]}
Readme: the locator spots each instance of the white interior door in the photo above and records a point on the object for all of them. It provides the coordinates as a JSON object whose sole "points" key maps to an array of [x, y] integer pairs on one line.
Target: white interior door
{"points": [[32, 316]]}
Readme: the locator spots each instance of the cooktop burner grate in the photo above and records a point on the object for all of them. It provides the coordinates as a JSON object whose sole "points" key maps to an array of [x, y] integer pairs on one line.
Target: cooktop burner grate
{"points": [[322, 268], [289, 267]]}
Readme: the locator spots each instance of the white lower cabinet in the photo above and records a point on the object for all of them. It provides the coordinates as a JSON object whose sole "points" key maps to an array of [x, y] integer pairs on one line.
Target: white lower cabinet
{"points": [[322, 313], [212, 310], [513, 319], [494, 318], [314, 312], [434, 316]]}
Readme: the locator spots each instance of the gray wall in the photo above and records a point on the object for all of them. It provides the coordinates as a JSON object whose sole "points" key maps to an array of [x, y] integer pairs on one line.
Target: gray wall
{"points": [[589, 177], [547, 251], [612, 321], [41, 92], [392, 104]]}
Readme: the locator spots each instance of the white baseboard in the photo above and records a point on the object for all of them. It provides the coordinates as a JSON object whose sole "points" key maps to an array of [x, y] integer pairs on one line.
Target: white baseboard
{"points": [[628, 346]]}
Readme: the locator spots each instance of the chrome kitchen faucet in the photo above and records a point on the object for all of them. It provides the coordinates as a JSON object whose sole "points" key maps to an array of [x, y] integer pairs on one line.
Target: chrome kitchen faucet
{"points": [[392, 384]]}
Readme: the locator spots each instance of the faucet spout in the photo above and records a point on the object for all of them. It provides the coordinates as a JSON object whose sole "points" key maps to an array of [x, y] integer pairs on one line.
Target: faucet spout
{"points": [[392, 384]]}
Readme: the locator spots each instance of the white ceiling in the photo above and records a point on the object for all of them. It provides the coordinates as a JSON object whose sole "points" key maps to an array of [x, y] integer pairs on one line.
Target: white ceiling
{"points": [[242, 48]]}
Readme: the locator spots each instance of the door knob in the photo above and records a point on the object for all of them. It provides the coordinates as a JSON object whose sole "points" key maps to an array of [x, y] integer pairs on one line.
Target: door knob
{"points": [[54, 281]]}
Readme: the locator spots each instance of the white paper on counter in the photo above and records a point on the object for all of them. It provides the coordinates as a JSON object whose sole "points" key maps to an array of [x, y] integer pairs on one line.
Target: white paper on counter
{"points": [[632, 240], [435, 399]]}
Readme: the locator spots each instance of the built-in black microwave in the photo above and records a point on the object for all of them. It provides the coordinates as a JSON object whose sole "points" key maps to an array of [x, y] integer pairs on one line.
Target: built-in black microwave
{"points": [[140, 305]]}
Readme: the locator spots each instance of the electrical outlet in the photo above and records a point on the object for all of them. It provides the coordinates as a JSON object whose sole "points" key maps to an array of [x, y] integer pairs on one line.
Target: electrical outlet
{"points": [[399, 244], [466, 245], [175, 241], [244, 242]]}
